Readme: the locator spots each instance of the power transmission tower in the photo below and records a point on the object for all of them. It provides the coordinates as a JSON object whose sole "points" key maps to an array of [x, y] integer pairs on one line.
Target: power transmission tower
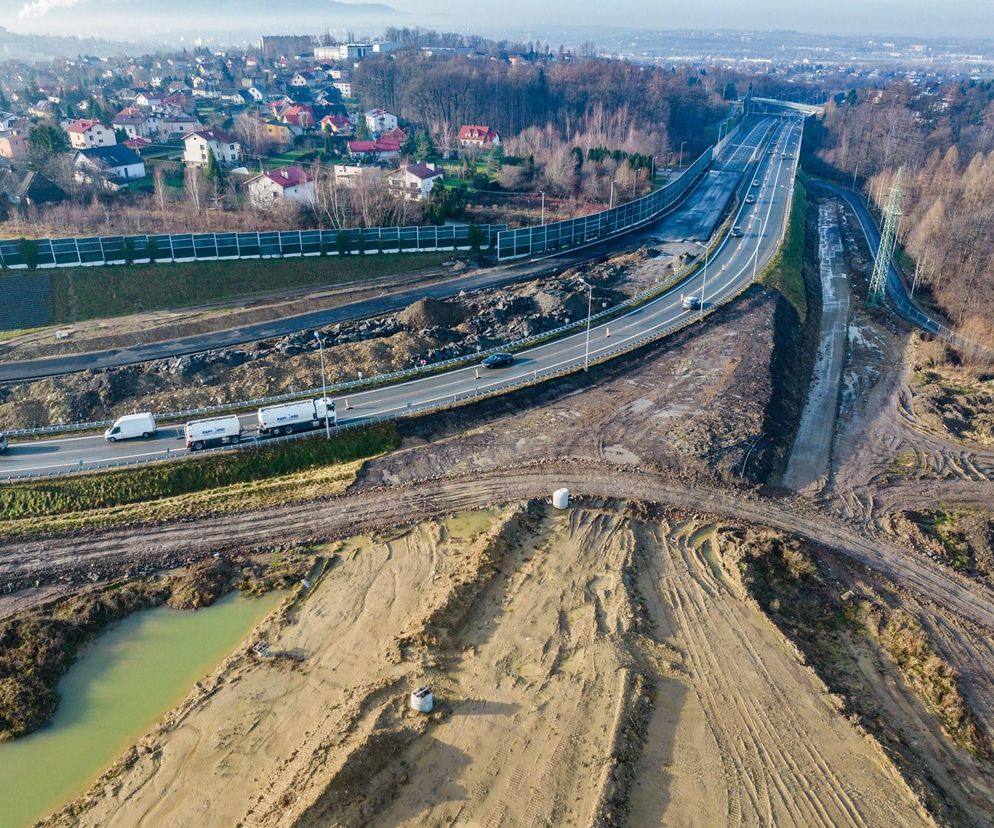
{"points": [[888, 238]]}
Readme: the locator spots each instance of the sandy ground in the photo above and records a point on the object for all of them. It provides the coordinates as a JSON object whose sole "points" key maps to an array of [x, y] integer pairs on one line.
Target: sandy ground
{"points": [[591, 667]]}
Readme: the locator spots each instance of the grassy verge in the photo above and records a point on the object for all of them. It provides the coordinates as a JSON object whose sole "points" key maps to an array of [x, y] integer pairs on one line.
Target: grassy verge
{"points": [[784, 273], [38, 646], [85, 293], [233, 482]]}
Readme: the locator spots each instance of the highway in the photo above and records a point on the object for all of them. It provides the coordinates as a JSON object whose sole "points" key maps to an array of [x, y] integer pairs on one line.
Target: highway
{"points": [[731, 267]]}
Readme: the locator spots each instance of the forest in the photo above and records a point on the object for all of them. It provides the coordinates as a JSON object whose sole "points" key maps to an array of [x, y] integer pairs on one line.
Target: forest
{"points": [[943, 137]]}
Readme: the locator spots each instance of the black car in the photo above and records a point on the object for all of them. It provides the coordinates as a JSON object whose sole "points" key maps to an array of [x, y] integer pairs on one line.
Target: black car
{"points": [[3, 441], [499, 360]]}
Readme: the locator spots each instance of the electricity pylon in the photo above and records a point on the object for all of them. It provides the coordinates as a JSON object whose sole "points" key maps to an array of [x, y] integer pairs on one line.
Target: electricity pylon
{"points": [[888, 238]]}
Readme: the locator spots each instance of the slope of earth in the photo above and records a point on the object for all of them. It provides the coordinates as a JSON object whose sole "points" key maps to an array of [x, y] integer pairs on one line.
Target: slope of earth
{"points": [[591, 667]]}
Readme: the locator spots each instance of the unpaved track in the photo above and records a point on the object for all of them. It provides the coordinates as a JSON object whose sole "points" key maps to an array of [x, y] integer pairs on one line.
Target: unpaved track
{"points": [[369, 510]]}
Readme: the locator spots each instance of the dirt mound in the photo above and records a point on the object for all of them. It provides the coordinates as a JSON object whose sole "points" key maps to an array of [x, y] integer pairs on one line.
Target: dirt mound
{"points": [[432, 313]]}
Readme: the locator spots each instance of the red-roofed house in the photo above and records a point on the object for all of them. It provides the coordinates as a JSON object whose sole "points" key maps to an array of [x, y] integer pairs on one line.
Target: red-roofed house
{"points": [[301, 115], [286, 184], [375, 150], [414, 181], [85, 134], [396, 134], [480, 137], [336, 125], [197, 146]]}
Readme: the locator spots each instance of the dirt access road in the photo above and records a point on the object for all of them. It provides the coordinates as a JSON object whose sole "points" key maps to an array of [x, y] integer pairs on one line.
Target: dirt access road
{"points": [[592, 667]]}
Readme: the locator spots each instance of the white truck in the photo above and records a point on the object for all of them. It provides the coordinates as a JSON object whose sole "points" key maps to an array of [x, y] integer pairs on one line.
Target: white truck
{"points": [[302, 415], [130, 426], [213, 432]]}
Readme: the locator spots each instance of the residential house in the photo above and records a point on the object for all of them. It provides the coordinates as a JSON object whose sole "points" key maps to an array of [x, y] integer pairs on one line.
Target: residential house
{"points": [[13, 145], [298, 115], [343, 86], [379, 121], [303, 78], [86, 133], [137, 123], [109, 165], [28, 188], [177, 127], [414, 181], [478, 137], [336, 125], [277, 134], [374, 150], [257, 94], [397, 135], [197, 147], [149, 100], [181, 100], [349, 175], [286, 184]]}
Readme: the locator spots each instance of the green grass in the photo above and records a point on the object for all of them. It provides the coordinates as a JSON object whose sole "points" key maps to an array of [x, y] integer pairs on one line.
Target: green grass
{"points": [[102, 490], [785, 272], [5, 335], [85, 293]]}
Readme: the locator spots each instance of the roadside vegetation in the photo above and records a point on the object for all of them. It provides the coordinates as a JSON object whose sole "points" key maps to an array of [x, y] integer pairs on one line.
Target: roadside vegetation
{"points": [[785, 272], [85, 293], [247, 479], [39, 645]]}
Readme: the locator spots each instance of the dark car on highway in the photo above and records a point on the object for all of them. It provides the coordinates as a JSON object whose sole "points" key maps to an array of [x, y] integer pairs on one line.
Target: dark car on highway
{"points": [[500, 360], [3, 441]]}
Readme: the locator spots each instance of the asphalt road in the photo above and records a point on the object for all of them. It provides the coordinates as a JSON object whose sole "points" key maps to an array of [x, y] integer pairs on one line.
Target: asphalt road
{"points": [[731, 267], [695, 217]]}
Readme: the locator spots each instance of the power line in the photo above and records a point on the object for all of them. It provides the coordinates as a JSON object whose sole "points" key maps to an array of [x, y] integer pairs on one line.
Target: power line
{"points": [[888, 239]]}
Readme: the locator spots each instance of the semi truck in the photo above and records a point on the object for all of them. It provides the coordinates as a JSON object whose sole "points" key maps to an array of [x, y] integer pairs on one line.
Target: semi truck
{"points": [[131, 425], [302, 415], [213, 432]]}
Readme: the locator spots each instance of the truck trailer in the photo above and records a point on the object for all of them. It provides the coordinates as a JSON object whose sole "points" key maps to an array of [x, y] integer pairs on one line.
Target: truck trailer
{"points": [[302, 415], [213, 432]]}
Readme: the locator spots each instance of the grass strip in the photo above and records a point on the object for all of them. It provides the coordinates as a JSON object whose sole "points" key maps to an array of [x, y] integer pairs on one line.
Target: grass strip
{"points": [[244, 478], [784, 272], [85, 293]]}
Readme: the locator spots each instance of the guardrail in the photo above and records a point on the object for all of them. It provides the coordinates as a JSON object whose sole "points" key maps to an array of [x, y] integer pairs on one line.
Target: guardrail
{"points": [[199, 247]]}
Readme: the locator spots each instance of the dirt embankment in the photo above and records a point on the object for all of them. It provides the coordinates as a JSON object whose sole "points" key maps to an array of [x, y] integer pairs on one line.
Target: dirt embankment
{"points": [[592, 667]]}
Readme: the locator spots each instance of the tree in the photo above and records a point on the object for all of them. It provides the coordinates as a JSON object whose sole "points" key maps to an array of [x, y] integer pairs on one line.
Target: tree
{"points": [[409, 148], [730, 93], [361, 129], [426, 147], [214, 173], [45, 143], [121, 135]]}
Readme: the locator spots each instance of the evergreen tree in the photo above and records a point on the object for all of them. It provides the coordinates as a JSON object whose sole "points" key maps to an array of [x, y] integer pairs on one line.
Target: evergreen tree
{"points": [[45, 142], [214, 172], [409, 148], [361, 129], [426, 146]]}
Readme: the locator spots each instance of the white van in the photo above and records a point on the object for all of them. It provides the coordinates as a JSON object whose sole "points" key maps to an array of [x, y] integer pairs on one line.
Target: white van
{"points": [[131, 425], [217, 431]]}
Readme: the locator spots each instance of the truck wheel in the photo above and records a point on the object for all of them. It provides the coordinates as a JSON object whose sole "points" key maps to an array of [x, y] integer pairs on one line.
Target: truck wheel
{"points": [[145, 435], [112, 439], [197, 446], [235, 440]]}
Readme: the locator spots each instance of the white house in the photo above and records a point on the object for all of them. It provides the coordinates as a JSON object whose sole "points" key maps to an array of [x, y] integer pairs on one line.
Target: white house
{"points": [[379, 121], [109, 164], [178, 125], [86, 133], [197, 147], [414, 181], [137, 123], [343, 86], [286, 184]]}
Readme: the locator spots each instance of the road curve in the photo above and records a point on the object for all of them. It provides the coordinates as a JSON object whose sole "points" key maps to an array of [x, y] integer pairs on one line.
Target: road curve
{"points": [[732, 266]]}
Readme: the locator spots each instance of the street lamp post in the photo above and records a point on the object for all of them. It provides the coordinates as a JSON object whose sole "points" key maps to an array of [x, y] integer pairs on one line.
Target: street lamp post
{"points": [[590, 305], [682, 145], [542, 193], [704, 281], [611, 202], [324, 387]]}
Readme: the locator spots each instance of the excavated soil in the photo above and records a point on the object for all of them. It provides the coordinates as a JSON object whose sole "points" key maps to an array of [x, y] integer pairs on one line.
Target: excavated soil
{"points": [[592, 667]]}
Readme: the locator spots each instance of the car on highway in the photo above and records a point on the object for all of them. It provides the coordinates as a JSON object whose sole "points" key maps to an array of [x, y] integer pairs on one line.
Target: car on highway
{"points": [[498, 360], [755, 183], [750, 200], [736, 232], [691, 303], [3, 441]]}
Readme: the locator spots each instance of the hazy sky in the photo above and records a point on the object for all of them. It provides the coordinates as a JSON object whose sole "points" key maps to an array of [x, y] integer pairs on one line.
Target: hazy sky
{"points": [[137, 19]]}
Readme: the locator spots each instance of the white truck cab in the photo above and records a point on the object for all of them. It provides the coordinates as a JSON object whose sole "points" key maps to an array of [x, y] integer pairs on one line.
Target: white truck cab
{"points": [[130, 426]]}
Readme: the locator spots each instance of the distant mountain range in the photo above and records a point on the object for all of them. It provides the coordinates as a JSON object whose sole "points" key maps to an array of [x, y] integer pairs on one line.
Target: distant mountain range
{"points": [[15, 46]]}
